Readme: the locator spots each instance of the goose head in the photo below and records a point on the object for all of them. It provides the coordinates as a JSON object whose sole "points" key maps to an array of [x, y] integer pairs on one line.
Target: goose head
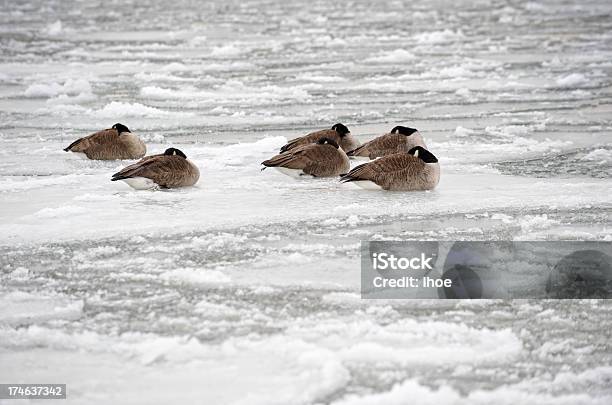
{"points": [[403, 130], [341, 129], [121, 128], [174, 152], [423, 154]]}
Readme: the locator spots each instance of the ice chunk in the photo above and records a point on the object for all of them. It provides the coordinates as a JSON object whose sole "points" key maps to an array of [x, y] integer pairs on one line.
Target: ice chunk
{"points": [[572, 80]]}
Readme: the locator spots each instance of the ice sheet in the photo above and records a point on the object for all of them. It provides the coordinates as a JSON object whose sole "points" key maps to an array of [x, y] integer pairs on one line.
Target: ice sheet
{"points": [[244, 289]]}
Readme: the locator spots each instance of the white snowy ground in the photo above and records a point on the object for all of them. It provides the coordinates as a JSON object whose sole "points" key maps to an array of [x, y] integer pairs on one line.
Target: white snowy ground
{"points": [[244, 289]]}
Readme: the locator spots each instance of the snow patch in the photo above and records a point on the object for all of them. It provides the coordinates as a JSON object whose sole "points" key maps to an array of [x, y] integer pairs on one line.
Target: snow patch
{"points": [[572, 80], [21, 308], [120, 109], [71, 87], [599, 156], [505, 395], [463, 132], [438, 37], [532, 222], [195, 276], [318, 78], [20, 273], [463, 92], [226, 50], [395, 56], [53, 29], [230, 91], [240, 153], [58, 212], [155, 138], [175, 67], [215, 311]]}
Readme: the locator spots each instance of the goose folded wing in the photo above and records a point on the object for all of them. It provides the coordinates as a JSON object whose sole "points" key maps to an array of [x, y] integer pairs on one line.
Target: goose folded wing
{"points": [[386, 167], [310, 138], [98, 138], [318, 159], [293, 159], [144, 168]]}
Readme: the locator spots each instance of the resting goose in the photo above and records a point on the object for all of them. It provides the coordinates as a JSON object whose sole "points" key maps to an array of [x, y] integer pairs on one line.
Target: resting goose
{"points": [[170, 169], [339, 133], [400, 139], [321, 159], [417, 169], [110, 144]]}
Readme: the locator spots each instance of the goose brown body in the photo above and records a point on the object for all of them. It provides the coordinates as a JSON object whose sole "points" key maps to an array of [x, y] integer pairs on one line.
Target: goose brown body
{"points": [[398, 172], [165, 170], [321, 159], [109, 144], [388, 144], [345, 140]]}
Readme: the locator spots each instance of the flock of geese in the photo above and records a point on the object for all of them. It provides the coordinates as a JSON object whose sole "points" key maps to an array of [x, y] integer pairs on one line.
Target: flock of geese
{"points": [[398, 160]]}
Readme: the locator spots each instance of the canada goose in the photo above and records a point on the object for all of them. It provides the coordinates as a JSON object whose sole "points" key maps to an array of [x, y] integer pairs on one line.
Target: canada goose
{"points": [[400, 139], [417, 169], [110, 144], [339, 133], [167, 170], [322, 159]]}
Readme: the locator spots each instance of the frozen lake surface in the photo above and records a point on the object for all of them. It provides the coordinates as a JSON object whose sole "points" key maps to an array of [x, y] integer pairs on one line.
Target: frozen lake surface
{"points": [[244, 289]]}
